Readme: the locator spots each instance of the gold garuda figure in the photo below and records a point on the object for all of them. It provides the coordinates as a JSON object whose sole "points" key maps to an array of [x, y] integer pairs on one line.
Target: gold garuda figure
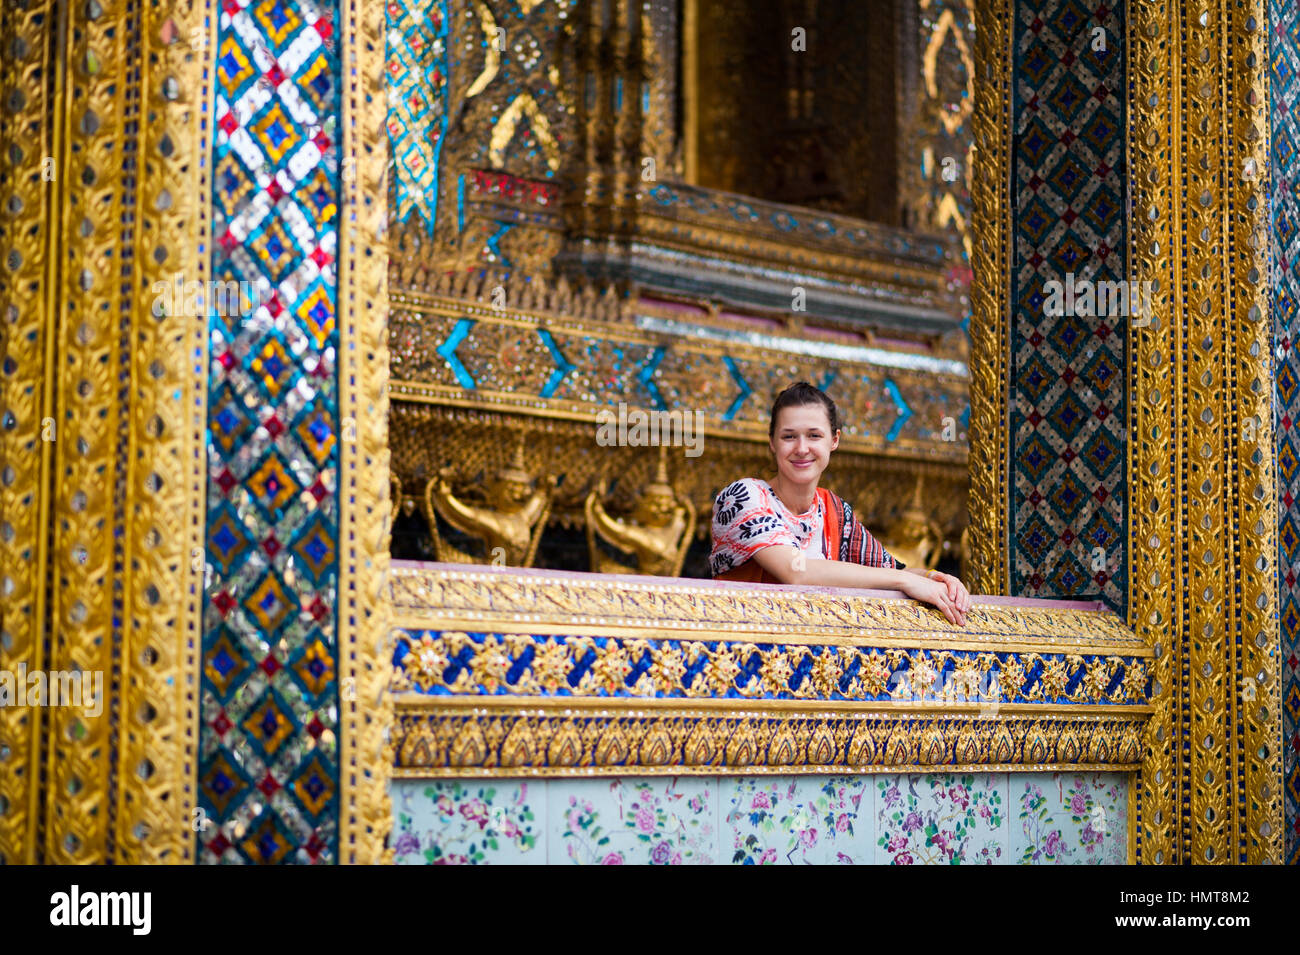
{"points": [[658, 535], [509, 521], [915, 538]]}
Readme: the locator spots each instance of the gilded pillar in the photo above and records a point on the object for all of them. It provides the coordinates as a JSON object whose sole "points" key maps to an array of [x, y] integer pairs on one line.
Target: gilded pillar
{"points": [[1195, 569], [105, 195], [144, 460]]}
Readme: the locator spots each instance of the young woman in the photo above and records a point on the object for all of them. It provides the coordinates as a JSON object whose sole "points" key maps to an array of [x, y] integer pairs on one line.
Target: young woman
{"points": [[793, 532]]}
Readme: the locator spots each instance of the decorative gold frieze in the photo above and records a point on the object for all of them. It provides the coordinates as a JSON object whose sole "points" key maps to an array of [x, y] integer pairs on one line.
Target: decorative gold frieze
{"points": [[438, 597], [557, 738]]}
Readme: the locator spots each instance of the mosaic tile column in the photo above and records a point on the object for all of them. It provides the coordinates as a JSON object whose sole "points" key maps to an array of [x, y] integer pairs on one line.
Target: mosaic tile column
{"points": [[1284, 167], [1150, 439], [292, 762], [1067, 401]]}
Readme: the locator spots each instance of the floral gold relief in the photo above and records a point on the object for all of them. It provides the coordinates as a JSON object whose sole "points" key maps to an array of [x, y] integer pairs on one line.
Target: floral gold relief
{"points": [[1198, 141], [108, 436]]}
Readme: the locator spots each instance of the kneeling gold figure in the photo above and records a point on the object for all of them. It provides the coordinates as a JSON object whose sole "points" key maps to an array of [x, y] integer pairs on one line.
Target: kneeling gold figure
{"points": [[658, 535], [511, 523]]}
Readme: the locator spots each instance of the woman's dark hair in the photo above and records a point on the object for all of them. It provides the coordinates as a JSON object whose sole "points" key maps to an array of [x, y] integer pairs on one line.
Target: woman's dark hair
{"points": [[802, 393]]}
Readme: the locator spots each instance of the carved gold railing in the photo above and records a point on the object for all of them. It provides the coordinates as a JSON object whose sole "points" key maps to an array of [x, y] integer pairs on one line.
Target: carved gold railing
{"points": [[518, 672]]}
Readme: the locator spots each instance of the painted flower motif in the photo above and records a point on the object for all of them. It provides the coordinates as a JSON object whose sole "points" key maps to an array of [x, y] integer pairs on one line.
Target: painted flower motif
{"points": [[892, 795], [695, 804], [913, 821], [1054, 843], [903, 858], [1078, 804], [760, 801], [842, 823], [808, 837], [445, 806], [406, 843], [959, 796], [475, 811], [661, 853], [645, 819], [898, 843], [676, 859], [768, 857], [842, 859], [614, 858]]}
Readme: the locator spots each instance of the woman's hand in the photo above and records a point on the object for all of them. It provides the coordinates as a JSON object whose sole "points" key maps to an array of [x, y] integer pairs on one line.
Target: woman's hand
{"points": [[943, 591]]}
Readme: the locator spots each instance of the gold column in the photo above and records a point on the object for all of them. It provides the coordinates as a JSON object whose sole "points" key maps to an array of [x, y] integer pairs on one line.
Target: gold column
{"points": [[1200, 413], [365, 515], [1202, 429], [27, 135], [990, 300], [108, 198]]}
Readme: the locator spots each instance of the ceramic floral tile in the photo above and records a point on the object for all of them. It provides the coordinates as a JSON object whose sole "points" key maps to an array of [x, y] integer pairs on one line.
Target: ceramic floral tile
{"points": [[648, 821], [941, 819], [468, 822], [1070, 818], [774, 820]]}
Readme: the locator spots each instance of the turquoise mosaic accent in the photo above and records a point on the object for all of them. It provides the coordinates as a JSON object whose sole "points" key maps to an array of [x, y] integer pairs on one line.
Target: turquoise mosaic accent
{"points": [[417, 78]]}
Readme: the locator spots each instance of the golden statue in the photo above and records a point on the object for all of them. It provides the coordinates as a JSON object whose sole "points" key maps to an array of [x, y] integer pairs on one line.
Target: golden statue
{"points": [[509, 521], [915, 538], [658, 535]]}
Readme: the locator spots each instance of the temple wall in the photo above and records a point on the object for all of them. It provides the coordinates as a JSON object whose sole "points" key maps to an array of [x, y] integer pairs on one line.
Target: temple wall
{"points": [[916, 819]]}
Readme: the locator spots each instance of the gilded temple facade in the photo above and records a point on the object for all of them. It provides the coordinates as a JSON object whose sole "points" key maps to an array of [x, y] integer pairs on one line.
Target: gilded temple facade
{"points": [[370, 371]]}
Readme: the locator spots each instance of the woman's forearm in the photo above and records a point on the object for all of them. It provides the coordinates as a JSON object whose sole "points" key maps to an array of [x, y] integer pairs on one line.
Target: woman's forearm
{"points": [[789, 567]]}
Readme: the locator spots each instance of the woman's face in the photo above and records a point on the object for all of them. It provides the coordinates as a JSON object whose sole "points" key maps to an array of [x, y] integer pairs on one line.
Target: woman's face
{"points": [[802, 442]]}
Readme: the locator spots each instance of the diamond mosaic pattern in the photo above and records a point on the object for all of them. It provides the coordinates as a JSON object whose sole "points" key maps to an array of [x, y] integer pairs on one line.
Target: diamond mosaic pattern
{"points": [[268, 778], [1067, 400], [417, 103], [1284, 57]]}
